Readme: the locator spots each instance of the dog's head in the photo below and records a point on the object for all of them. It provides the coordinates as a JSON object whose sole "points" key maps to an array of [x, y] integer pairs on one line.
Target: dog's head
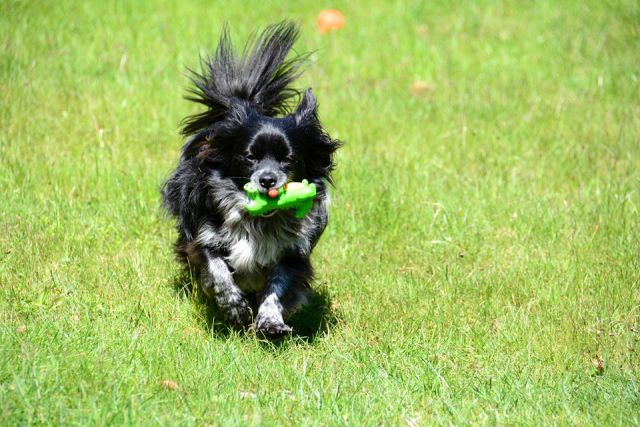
{"points": [[268, 151]]}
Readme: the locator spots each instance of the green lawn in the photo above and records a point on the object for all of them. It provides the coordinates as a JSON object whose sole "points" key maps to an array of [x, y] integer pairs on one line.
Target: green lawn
{"points": [[483, 255]]}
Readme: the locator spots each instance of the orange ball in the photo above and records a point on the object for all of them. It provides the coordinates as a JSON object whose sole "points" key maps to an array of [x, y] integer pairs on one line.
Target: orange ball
{"points": [[273, 193], [329, 20]]}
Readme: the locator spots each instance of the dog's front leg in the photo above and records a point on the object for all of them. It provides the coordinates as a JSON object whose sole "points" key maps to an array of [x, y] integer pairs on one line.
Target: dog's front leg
{"points": [[284, 291], [218, 283]]}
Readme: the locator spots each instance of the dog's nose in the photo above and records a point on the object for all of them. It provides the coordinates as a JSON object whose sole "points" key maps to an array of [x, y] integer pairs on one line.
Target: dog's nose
{"points": [[267, 180]]}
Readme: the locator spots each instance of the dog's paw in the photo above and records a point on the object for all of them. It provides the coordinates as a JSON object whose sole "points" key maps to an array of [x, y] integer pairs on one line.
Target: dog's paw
{"points": [[271, 327], [238, 313]]}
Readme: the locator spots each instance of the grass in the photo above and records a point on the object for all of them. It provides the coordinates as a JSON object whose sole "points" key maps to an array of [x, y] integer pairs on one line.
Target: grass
{"points": [[482, 262]]}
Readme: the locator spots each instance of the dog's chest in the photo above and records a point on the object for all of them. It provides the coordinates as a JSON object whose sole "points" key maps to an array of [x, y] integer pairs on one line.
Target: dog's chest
{"points": [[248, 253], [253, 247]]}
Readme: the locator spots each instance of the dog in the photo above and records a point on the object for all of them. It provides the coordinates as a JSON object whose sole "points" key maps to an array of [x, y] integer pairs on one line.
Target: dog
{"points": [[256, 269]]}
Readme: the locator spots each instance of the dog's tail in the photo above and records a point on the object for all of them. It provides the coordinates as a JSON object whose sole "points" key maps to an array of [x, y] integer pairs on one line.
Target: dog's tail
{"points": [[260, 76]]}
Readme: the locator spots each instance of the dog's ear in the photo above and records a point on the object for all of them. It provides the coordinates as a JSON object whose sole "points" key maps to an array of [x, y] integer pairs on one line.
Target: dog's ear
{"points": [[317, 144], [198, 145], [308, 107]]}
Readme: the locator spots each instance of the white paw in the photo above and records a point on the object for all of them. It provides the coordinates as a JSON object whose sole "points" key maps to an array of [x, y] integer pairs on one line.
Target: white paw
{"points": [[271, 326]]}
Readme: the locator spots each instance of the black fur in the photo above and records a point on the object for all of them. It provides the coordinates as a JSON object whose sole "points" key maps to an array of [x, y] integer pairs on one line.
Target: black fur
{"points": [[248, 132], [261, 76]]}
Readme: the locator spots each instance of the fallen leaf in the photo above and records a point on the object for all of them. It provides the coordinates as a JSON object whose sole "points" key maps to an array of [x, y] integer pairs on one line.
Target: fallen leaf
{"points": [[21, 329], [419, 88], [422, 30], [599, 364], [170, 385]]}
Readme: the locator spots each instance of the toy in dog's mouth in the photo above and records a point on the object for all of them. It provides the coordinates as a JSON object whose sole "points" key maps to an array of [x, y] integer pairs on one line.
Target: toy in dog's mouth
{"points": [[296, 196], [272, 193]]}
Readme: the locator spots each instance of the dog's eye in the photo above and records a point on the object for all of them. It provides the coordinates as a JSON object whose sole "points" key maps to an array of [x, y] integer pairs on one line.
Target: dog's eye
{"points": [[251, 157], [286, 161]]}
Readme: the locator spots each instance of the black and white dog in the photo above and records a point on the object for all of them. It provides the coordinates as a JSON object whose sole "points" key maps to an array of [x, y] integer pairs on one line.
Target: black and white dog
{"points": [[257, 269]]}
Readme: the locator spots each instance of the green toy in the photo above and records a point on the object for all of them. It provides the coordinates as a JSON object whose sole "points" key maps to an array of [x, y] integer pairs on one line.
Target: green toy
{"points": [[294, 195]]}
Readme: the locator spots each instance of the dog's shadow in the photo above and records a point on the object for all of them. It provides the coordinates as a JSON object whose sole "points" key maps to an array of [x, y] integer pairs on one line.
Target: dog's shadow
{"points": [[312, 322]]}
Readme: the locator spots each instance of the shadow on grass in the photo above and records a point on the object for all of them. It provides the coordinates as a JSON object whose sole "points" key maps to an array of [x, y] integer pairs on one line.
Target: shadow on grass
{"points": [[312, 322]]}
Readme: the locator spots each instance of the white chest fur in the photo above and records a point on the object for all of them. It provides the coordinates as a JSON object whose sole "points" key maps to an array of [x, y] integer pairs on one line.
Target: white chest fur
{"points": [[258, 243], [249, 253]]}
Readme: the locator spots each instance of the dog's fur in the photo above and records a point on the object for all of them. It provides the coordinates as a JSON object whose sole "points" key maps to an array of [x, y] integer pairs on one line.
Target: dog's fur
{"points": [[255, 268]]}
